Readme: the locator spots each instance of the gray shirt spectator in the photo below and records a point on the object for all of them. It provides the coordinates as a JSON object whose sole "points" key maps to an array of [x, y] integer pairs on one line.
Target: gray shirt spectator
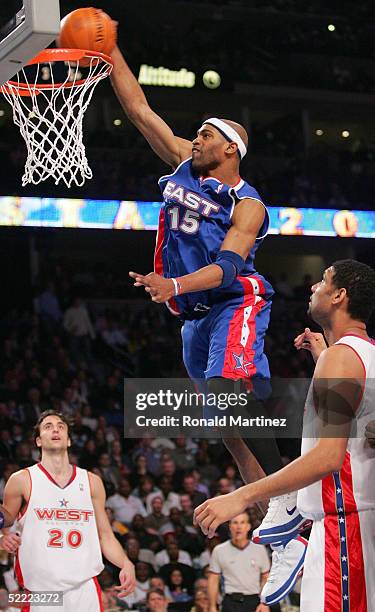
{"points": [[124, 505]]}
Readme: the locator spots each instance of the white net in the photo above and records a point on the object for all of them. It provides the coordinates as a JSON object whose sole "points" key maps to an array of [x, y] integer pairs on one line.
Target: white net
{"points": [[50, 118]]}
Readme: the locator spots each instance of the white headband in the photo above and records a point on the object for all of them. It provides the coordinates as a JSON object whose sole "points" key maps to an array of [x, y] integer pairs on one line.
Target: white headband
{"points": [[229, 133]]}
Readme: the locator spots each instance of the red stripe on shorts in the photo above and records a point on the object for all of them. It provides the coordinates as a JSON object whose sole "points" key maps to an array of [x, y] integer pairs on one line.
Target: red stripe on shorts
{"points": [[99, 592], [357, 580], [234, 338]]}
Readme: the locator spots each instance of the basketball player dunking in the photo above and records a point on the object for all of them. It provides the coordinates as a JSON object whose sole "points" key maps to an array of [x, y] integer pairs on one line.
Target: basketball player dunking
{"points": [[61, 528], [335, 473], [210, 226]]}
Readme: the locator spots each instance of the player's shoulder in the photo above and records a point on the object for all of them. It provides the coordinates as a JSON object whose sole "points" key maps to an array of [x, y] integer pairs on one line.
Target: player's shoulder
{"points": [[19, 479], [96, 483], [339, 360], [244, 190]]}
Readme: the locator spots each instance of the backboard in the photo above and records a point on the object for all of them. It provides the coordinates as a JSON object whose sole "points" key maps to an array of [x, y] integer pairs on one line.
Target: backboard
{"points": [[31, 28]]}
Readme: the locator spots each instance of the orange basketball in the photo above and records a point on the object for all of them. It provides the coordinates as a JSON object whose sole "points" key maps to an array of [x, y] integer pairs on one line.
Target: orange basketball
{"points": [[88, 28]]}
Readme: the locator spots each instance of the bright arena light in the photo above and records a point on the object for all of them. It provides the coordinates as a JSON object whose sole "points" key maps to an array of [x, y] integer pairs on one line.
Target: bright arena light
{"points": [[319, 132], [331, 27], [211, 79], [2, 112], [345, 134], [117, 122]]}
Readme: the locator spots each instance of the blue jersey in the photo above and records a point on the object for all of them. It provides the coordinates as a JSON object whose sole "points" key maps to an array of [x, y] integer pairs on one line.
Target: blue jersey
{"points": [[194, 220]]}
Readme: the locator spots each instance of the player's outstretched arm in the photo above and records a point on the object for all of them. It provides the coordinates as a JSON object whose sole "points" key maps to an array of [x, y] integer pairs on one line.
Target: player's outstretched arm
{"points": [[247, 220], [338, 382], [167, 146], [110, 546]]}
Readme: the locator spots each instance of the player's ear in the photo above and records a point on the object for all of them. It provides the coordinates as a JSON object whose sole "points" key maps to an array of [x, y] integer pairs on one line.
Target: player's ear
{"points": [[38, 442], [231, 148], [339, 295], [69, 442]]}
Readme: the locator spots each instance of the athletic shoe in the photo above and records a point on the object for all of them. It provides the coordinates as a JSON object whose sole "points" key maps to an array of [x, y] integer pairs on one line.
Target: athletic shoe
{"points": [[282, 522], [287, 563]]}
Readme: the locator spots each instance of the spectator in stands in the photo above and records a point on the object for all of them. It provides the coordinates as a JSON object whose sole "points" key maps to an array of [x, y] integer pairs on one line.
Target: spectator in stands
{"points": [[172, 554], [156, 601], [89, 455], [136, 553], [189, 487], [80, 433], [170, 498], [144, 448], [187, 510], [111, 474], [118, 528], [224, 486], [157, 582], [178, 587], [146, 539], [168, 468], [155, 521], [87, 417], [78, 325], [146, 491], [201, 601], [181, 455], [124, 505], [48, 307], [143, 572], [232, 474]]}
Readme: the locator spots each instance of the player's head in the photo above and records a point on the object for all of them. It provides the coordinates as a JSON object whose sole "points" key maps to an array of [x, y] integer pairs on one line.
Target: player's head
{"points": [[347, 286], [218, 142], [52, 432]]}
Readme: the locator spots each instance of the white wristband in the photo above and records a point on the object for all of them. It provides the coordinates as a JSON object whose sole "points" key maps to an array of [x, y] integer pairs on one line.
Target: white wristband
{"points": [[175, 286]]}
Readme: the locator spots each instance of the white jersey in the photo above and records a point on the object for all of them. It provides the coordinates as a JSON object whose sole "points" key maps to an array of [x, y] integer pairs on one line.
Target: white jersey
{"points": [[60, 544], [350, 489]]}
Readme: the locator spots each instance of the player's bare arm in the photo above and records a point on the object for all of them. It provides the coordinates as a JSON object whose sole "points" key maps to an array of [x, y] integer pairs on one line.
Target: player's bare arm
{"points": [[338, 382], [110, 546], [247, 220], [16, 494], [170, 148]]}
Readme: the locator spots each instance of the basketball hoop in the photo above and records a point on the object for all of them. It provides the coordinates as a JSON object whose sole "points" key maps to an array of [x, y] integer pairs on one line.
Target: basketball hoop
{"points": [[50, 115]]}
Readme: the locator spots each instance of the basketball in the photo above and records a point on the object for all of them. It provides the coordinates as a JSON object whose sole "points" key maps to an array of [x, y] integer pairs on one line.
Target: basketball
{"points": [[88, 28]]}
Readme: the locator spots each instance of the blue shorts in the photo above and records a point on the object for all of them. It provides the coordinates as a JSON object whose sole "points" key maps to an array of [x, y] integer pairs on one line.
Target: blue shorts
{"points": [[229, 341]]}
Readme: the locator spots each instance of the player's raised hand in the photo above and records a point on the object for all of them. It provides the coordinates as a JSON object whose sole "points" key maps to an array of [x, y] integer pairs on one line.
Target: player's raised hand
{"points": [[10, 542], [370, 433], [311, 341], [127, 580], [160, 289]]}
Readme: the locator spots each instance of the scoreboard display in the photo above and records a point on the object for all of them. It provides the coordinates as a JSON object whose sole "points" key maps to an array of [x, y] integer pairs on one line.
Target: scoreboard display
{"points": [[140, 215]]}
